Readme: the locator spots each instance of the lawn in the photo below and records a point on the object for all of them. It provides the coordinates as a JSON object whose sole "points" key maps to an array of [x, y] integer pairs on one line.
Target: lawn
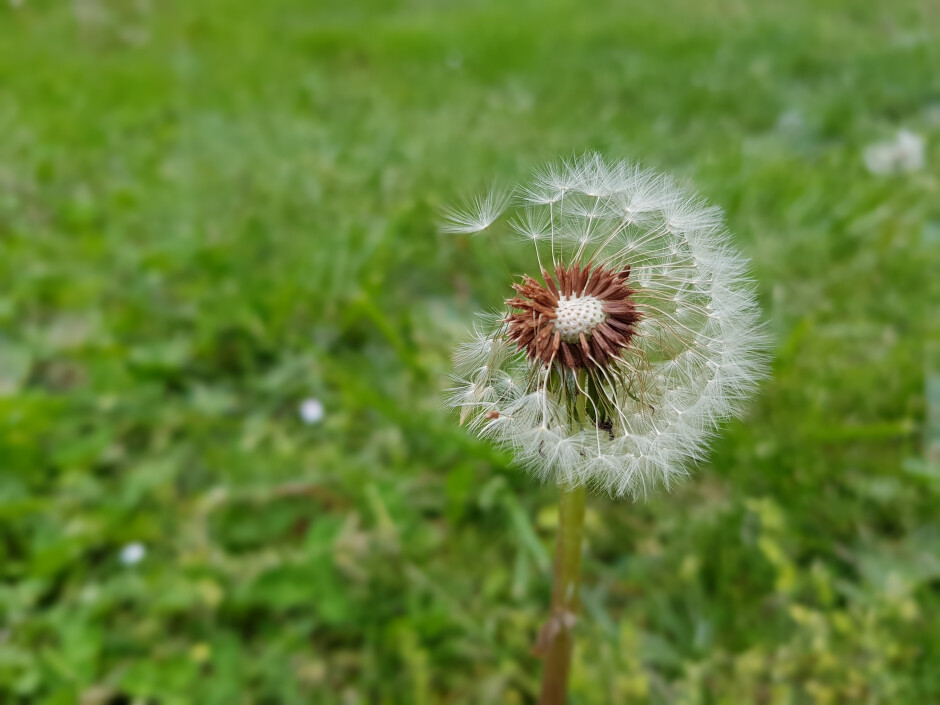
{"points": [[211, 211]]}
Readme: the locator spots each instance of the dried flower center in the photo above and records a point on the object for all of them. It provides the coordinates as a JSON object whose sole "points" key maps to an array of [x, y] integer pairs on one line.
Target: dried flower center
{"points": [[578, 314], [579, 318]]}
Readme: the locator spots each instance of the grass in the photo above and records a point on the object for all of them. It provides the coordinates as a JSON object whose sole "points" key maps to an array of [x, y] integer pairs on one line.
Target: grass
{"points": [[210, 211]]}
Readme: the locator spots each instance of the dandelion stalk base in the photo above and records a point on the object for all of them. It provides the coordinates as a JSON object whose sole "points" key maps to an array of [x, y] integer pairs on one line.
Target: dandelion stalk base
{"points": [[556, 639]]}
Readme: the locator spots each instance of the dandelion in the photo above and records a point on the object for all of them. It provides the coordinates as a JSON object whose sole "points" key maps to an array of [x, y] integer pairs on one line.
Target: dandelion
{"points": [[614, 365], [904, 154], [642, 334]]}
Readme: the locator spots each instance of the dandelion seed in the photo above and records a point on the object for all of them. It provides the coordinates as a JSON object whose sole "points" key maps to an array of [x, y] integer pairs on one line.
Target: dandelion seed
{"points": [[133, 553], [614, 362], [477, 214], [311, 411]]}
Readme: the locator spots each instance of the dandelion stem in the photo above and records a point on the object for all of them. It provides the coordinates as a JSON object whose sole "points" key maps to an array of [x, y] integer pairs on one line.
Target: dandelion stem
{"points": [[557, 638]]}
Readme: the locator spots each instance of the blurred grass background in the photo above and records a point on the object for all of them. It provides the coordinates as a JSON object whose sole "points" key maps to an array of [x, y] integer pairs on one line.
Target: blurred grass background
{"points": [[211, 211]]}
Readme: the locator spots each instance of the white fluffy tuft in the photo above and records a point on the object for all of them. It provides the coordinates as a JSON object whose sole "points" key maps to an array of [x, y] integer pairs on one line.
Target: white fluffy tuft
{"points": [[477, 214], [698, 354]]}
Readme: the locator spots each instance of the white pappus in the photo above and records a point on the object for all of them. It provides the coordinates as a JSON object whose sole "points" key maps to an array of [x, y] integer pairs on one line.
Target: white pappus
{"points": [[638, 334]]}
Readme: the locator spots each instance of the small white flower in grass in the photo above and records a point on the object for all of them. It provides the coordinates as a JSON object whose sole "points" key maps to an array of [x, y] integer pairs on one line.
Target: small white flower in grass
{"points": [[904, 154], [614, 366], [133, 553], [311, 411]]}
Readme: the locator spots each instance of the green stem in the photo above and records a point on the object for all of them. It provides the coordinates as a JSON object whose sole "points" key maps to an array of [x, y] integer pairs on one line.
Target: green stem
{"points": [[557, 639]]}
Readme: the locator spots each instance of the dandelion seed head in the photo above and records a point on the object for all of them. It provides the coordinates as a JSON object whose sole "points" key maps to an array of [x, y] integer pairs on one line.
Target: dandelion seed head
{"points": [[904, 154], [615, 363]]}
